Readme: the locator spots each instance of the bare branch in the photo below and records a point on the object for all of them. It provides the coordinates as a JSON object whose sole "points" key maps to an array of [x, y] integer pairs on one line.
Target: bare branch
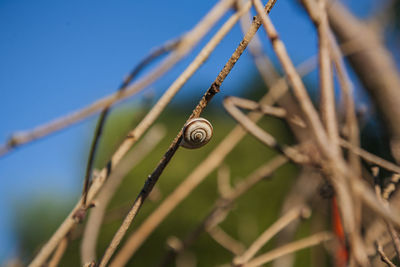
{"points": [[285, 220], [384, 258], [57, 256], [223, 180], [132, 159], [307, 242], [371, 157], [225, 240], [299, 89], [196, 177], [327, 100], [392, 231], [374, 65], [223, 205], [153, 178], [104, 113], [185, 45], [260, 134]]}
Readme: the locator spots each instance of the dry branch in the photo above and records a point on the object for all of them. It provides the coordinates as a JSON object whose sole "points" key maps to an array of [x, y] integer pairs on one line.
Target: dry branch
{"points": [[223, 205], [327, 99], [104, 113], [225, 240], [57, 256], [311, 116], [186, 44], [197, 176], [285, 220], [384, 258], [260, 134], [335, 167], [279, 87], [307, 242], [153, 178], [374, 65], [96, 216]]}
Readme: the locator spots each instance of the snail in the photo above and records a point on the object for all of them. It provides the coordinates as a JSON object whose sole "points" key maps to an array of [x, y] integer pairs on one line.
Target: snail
{"points": [[196, 133]]}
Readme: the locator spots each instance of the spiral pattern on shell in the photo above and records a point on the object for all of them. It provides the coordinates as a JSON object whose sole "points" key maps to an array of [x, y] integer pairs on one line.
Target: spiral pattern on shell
{"points": [[196, 133]]}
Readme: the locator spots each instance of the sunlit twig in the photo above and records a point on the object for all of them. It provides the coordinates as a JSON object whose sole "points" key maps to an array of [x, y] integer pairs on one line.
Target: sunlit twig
{"points": [[307, 242], [281, 223], [188, 41], [96, 216]]}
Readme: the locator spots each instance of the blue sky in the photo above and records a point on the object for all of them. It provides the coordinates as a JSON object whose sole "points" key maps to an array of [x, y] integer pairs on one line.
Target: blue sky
{"points": [[58, 56]]}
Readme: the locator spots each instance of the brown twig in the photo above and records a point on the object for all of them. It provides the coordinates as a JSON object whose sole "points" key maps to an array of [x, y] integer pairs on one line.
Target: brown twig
{"points": [[392, 231], [267, 139], [327, 100], [260, 134], [181, 192], [391, 186], [369, 157], [307, 242], [170, 45], [254, 106], [225, 240], [187, 42], [335, 167], [303, 191], [132, 159], [295, 81], [153, 178], [262, 62], [223, 180], [58, 254], [281, 113], [383, 256], [196, 177], [351, 125], [363, 191], [224, 204], [327, 45], [285, 220], [374, 66]]}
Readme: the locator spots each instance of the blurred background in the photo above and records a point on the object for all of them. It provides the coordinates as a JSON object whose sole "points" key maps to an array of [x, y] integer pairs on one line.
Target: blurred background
{"points": [[59, 56]]}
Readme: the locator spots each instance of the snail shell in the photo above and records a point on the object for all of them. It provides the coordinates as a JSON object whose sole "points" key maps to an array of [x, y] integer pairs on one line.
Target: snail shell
{"points": [[196, 133]]}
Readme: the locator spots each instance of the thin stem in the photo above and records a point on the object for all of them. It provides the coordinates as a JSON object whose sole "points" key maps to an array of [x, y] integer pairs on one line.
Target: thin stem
{"points": [[255, 106], [392, 231], [260, 134], [384, 258], [274, 229], [338, 173], [295, 81], [153, 178], [104, 113], [95, 219], [224, 204], [371, 157], [307, 242], [391, 186], [224, 180], [58, 254], [225, 240], [327, 101], [351, 125], [188, 41], [196, 177]]}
